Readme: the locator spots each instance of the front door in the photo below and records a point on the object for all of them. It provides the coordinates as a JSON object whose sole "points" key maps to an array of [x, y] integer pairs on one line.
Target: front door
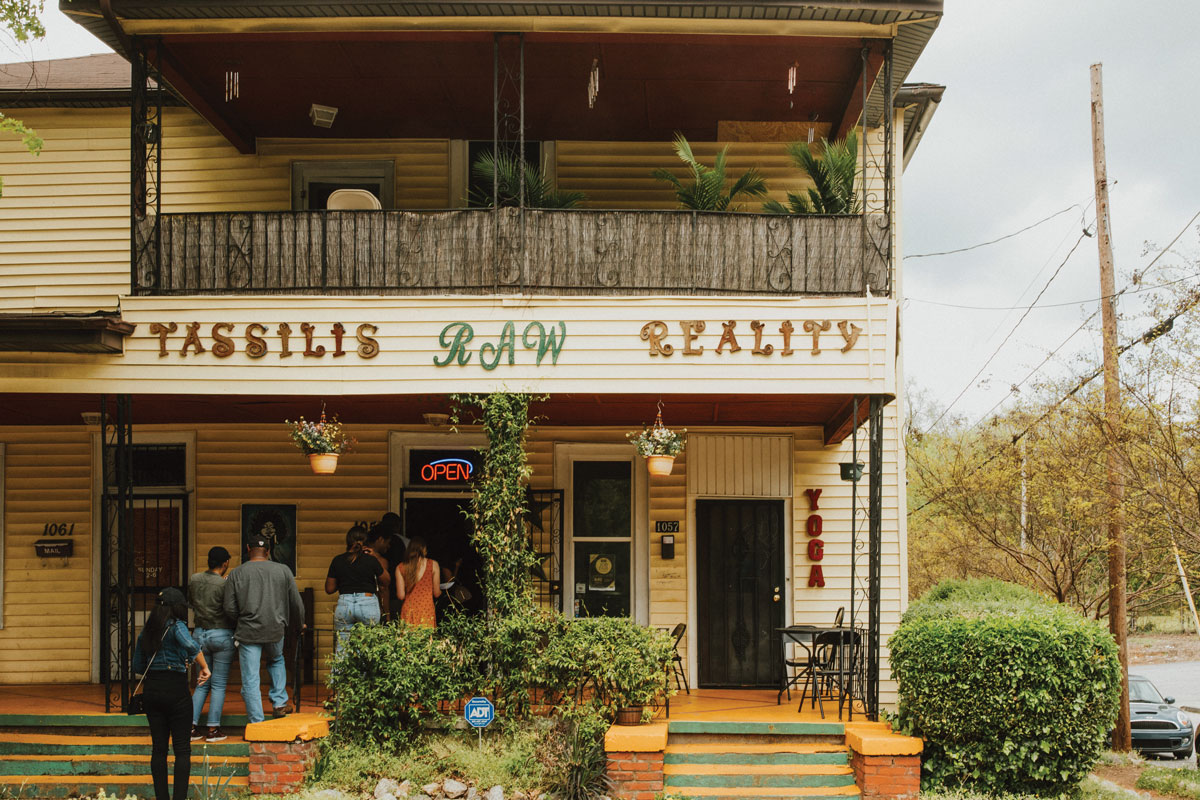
{"points": [[739, 592]]}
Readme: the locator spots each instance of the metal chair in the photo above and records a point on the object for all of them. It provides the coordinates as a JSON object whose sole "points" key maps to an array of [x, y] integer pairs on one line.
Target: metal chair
{"points": [[835, 663], [839, 616], [677, 660], [796, 669]]}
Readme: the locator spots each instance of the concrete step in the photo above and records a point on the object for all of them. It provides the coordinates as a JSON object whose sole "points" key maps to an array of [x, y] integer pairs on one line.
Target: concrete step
{"points": [[17, 744], [774, 776], [790, 753], [65, 786], [36, 767], [763, 793]]}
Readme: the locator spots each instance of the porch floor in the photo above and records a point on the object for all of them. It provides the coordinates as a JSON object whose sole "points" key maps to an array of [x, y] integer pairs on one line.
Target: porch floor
{"points": [[751, 705], [86, 699]]}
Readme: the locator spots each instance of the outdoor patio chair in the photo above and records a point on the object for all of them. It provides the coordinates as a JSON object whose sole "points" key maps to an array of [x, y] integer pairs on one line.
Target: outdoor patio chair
{"points": [[677, 659], [797, 668], [839, 616], [835, 665]]}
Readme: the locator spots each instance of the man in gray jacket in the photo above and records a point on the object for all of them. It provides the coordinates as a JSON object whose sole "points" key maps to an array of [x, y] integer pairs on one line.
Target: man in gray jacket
{"points": [[261, 595]]}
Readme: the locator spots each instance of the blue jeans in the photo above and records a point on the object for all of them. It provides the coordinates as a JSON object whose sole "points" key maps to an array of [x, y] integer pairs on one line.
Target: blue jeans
{"points": [[217, 646], [351, 610], [250, 658]]}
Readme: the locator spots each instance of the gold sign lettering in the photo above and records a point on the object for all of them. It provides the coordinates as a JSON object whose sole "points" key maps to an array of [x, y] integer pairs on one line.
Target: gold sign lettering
{"points": [[223, 339], [656, 334]]}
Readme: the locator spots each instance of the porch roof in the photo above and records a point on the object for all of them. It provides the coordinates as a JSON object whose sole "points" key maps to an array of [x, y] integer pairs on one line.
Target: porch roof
{"points": [[666, 65], [832, 412]]}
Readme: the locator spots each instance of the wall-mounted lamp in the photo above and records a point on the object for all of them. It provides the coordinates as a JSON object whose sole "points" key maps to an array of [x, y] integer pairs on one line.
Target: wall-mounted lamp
{"points": [[322, 116], [92, 418], [851, 471], [668, 547], [435, 420]]}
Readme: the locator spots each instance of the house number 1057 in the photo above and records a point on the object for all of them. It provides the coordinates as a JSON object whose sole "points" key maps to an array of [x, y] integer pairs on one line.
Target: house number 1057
{"points": [[58, 529]]}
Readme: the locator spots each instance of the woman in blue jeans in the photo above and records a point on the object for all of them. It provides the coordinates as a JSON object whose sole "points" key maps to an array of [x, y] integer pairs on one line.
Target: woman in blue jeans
{"points": [[357, 576], [162, 654]]}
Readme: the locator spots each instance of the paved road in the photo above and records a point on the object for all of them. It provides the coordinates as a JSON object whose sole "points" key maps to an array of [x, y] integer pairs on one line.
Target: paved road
{"points": [[1180, 680]]}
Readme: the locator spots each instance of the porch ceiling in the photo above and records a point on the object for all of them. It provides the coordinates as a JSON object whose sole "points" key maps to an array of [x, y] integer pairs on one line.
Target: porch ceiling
{"points": [[439, 85], [832, 412]]}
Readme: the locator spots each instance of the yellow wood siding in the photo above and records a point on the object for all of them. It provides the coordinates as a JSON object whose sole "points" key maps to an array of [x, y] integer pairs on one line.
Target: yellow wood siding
{"points": [[47, 634], [64, 216], [817, 468], [618, 174]]}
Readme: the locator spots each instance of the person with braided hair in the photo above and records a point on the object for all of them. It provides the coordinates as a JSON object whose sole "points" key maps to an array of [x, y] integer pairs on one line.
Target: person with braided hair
{"points": [[356, 577]]}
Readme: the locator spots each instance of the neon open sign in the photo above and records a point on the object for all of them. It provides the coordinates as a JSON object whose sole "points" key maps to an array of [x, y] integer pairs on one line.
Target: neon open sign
{"points": [[447, 469], [442, 467]]}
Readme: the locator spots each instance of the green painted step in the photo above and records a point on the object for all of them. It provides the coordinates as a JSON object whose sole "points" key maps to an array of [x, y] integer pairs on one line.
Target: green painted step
{"points": [[141, 787], [215, 749], [758, 781], [97, 721], [757, 728], [36, 768], [840, 759]]}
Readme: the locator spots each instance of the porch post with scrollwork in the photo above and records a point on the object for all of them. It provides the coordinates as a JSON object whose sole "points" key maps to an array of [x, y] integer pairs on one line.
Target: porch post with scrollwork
{"points": [[117, 632], [145, 166]]}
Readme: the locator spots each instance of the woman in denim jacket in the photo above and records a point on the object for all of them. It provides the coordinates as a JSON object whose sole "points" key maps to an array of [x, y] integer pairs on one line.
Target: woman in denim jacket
{"points": [[164, 650]]}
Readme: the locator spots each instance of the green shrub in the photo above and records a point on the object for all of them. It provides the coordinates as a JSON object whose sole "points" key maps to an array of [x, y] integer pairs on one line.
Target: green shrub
{"points": [[577, 763], [388, 678], [1012, 693]]}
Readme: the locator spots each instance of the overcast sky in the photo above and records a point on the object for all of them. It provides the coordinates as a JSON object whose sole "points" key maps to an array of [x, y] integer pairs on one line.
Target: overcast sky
{"points": [[1009, 146]]}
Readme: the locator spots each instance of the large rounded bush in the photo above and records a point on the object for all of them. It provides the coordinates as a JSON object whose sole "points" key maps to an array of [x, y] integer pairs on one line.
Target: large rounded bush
{"points": [[1011, 692]]}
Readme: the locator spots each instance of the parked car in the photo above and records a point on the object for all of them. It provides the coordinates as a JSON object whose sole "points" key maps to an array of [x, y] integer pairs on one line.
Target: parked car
{"points": [[1158, 726]]}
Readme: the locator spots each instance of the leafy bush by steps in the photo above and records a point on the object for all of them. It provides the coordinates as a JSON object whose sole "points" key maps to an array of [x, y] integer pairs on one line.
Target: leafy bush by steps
{"points": [[1012, 693]]}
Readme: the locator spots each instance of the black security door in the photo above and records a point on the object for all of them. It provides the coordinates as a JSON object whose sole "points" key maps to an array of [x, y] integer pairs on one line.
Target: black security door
{"points": [[739, 557]]}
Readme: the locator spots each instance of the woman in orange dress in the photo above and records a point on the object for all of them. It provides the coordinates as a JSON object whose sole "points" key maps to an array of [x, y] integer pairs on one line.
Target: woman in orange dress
{"points": [[417, 585]]}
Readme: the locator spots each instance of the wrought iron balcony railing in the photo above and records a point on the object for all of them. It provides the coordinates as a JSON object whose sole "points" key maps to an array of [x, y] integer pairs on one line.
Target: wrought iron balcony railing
{"points": [[509, 251]]}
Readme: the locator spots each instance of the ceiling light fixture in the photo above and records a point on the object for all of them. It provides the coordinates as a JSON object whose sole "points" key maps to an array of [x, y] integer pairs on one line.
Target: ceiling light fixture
{"points": [[322, 116]]}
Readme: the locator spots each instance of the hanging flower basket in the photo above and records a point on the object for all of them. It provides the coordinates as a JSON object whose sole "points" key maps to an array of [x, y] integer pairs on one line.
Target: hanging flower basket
{"points": [[660, 465], [323, 463], [659, 445], [322, 441]]}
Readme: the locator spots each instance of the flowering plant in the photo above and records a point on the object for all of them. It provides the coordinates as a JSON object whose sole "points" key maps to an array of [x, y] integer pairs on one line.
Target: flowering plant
{"points": [[658, 440], [323, 436]]}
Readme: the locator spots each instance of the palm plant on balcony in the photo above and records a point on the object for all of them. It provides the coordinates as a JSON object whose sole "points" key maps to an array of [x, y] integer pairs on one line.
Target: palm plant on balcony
{"points": [[707, 189], [504, 173], [832, 173]]}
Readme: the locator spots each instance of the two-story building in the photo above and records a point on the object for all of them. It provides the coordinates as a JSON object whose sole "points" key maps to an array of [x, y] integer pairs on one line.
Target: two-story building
{"points": [[173, 287]]}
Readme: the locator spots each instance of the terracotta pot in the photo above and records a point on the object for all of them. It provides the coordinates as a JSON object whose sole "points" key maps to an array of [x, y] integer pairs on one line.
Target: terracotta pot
{"points": [[660, 465], [323, 463], [632, 715]]}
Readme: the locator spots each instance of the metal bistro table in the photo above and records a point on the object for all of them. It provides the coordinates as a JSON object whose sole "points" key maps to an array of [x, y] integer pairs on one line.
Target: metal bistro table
{"points": [[833, 659]]}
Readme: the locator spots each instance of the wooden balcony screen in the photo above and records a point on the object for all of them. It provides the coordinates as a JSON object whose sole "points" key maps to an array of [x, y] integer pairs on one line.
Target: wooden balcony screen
{"points": [[479, 251]]}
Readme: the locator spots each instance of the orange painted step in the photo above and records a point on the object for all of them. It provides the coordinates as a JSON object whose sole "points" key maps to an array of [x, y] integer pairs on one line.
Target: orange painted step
{"points": [[33, 780], [133, 759]]}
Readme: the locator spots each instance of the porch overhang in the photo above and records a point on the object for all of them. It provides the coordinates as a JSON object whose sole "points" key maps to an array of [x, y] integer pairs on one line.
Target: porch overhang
{"points": [[667, 66], [579, 410], [63, 333]]}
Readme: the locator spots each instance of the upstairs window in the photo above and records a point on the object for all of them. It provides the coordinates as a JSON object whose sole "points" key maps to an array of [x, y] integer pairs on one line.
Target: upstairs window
{"points": [[314, 181]]}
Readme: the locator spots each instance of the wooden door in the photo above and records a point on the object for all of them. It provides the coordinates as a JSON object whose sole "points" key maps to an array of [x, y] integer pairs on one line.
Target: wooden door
{"points": [[739, 591]]}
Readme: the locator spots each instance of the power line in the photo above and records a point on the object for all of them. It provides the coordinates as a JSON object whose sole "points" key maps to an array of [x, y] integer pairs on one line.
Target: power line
{"points": [[1013, 330], [1001, 239], [1126, 290], [1152, 333]]}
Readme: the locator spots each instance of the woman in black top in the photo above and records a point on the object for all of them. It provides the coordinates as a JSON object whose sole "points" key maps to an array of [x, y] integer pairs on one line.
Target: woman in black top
{"points": [[356, 575]]}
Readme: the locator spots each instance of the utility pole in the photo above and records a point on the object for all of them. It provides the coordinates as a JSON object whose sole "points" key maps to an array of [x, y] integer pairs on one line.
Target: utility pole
{"points": [[1117, 614]]}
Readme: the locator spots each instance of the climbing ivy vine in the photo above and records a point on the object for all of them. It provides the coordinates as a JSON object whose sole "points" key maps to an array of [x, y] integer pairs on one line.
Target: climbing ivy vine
{"points": [[498, 506]]}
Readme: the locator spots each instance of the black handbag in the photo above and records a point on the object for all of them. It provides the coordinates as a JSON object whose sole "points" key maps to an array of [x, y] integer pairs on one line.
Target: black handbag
{"points": [[137, 701]]}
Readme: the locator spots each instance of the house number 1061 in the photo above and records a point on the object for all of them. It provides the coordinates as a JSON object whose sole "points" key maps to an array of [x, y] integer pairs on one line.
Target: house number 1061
{"points": [[58, 529]]}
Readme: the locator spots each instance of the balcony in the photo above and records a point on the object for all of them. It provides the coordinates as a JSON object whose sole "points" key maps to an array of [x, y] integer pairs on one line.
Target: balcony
{"points": [[510, 251]]}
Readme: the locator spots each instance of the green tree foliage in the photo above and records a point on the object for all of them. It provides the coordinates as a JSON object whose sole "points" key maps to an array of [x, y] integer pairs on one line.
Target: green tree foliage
{"points": [[707, 190], [22, 19], [504, 173], [498, 505], [832, 173], [1012, 693]]}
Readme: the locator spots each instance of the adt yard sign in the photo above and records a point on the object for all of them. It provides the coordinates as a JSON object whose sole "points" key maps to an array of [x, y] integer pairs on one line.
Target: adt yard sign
{"points": [[479, 712]]}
